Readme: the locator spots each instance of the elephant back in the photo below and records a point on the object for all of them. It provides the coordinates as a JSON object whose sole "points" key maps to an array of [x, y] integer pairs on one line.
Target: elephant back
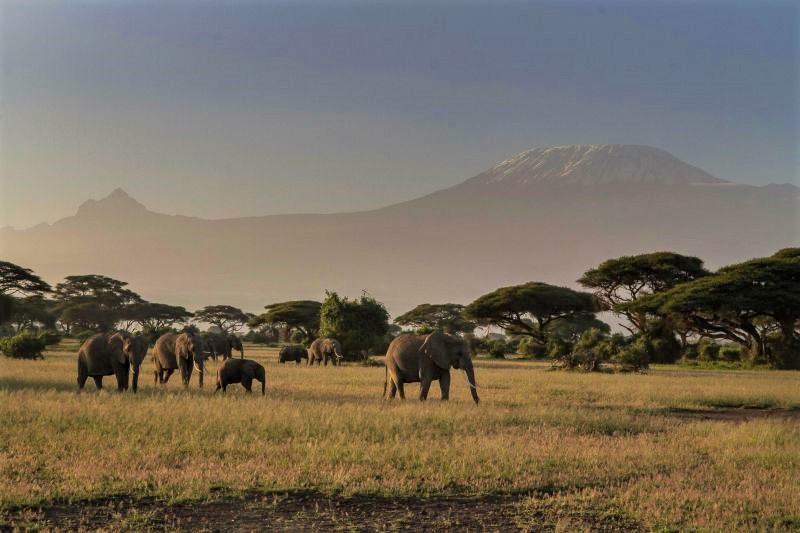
{"points": [[96, 355]]}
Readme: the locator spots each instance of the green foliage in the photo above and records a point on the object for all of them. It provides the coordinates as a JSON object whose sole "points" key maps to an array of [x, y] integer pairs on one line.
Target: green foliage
{"points": [[92, 302], [735, 303], [707, 350], [498, 349], [302, 315], [6, 308], [151, 334], [298, 337], [50, 337], [156, 316], [730, 352], [664, 347], [634, 356], [362, 326], [530, 309], [571, 328], [226, 317], [32, 312], [530, 347], [437, 317], [15, 279], [621, 281], [23, 346], [557, 348]]}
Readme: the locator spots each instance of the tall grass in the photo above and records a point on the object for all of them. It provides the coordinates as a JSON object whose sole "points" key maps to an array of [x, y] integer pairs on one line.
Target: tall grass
{"points": [[609, 440]]}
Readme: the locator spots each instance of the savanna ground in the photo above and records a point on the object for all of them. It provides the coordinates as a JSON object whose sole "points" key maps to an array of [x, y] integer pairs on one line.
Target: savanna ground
{"points": [[674, 449]]}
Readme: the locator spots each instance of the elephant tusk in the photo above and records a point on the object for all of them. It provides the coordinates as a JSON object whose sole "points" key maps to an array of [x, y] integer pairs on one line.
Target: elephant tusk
{"points": [[466, 378]]}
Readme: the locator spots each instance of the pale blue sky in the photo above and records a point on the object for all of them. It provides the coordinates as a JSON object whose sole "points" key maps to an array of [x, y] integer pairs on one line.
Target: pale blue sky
{"points": [[244, 108]]}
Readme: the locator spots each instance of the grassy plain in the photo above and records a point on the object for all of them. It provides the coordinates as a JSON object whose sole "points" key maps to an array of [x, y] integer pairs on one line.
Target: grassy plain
{"points": [[672, 449]]}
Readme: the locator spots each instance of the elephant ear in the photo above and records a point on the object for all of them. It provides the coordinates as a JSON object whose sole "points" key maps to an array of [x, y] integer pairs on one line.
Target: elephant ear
{"points": [[180, 346], [435, 348], [115, 348], [249, 371]]}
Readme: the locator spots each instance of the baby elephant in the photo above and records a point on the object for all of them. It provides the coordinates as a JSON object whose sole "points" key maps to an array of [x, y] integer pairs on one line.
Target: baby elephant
{"points": [[242, 371], [294, 353]]}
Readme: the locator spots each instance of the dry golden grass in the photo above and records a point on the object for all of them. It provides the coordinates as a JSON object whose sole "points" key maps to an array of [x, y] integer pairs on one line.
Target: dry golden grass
{"points": [[605, 442]]}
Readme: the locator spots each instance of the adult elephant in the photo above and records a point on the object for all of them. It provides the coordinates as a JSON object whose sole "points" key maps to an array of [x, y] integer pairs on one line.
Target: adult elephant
{"points": [[179, 350], [425, 358], [323, 349], [293, 352], [113, 354], [223, 344]]}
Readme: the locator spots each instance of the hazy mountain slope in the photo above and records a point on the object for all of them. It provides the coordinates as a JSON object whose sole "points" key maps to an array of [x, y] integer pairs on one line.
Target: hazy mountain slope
{"points": [[535, 223]]}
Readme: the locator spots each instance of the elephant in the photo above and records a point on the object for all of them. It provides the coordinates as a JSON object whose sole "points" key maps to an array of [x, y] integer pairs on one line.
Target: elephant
{"points": [[112, 354], [293, 352], [424, 358], [322, 349], [222, 344], [179, 350], [242, 371]]}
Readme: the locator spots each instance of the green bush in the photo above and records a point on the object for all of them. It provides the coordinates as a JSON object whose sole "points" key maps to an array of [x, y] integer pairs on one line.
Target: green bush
{"points": [[707, 350], [50, 337], [730, 352], [23, 346], [635, 356], [558, 348], [498, 349], [530, 347]]}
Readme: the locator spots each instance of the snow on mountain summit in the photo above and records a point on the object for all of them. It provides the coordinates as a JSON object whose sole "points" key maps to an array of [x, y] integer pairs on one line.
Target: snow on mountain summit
{"points": [[595, 164]]}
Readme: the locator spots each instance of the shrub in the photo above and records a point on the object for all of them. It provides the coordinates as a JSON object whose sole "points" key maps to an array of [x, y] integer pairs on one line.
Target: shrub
{"points": [[730, 352], [476, 344], [23, 346], [558, 348], [50, 337], [498, 349], [707, 350], [297, 337], [635, 356], [529, 347]]}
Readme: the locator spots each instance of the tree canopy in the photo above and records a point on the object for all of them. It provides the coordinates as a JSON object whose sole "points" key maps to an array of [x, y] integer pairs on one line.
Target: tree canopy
{"points": [[362, 325], [225, 317], [302, 315], [623, 280], [156, 316], [17, 280], [531, 308], [732, 303], [445, 317], [93, 302]]}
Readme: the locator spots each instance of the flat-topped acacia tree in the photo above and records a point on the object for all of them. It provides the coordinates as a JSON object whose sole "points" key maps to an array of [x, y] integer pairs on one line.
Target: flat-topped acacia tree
{"points": [[530, 309], [226, 317], [299, 315]]}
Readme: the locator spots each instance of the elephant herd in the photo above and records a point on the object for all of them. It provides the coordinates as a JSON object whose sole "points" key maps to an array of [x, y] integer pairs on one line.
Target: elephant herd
{"points": [[409, 359]]}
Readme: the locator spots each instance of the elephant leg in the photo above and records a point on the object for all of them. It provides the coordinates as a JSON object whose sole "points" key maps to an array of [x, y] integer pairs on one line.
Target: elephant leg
{"points": [[247, 383], [444, 385], [425, 385], [400, 390], [98, 382], [82, 374], [392, 389], [166, 376], [121, 374]]}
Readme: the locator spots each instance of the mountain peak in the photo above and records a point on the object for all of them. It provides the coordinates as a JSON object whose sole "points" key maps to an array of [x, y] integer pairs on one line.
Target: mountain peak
{"points": [[595, 164], [117, 201]]}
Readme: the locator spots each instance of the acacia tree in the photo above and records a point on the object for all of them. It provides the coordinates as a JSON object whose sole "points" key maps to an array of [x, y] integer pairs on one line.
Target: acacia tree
{"points": [[362, 325], [623, 280], [300, 315], [32, 312], [226, 317], [17, 280], [739, 302], [93, 302], [530, 309], [445, 317]]}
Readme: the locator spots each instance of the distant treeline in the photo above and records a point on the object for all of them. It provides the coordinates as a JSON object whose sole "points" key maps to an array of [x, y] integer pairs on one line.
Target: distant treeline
{"points": [[671, 306]]}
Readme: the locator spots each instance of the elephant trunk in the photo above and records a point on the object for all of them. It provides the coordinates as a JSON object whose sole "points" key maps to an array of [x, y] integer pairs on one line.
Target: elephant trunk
{"points": [[473, 386], [263, 383], [135, 379], [241, 351]]}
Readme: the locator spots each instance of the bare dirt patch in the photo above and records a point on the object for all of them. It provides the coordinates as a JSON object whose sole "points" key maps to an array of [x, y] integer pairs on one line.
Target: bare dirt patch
{"points": [[740, 414], [314, 512]]}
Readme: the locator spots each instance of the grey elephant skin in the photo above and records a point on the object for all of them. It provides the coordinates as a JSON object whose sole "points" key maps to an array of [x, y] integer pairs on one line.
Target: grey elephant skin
{"points": [[223, 344], [117, 354], [424, 359], [182, 351], [293, 352], [242, 371], [321, 350]]}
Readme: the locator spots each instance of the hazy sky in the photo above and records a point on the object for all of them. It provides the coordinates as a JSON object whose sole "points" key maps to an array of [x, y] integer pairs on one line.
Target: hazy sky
{"points": [[232, 109]]}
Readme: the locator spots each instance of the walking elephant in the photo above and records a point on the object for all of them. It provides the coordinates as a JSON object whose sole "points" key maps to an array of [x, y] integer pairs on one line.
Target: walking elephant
{"points": [[242, 371], [223, 344], [179, 350], [425, 358], [113, 354], [323, 349], [294, 353]]}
